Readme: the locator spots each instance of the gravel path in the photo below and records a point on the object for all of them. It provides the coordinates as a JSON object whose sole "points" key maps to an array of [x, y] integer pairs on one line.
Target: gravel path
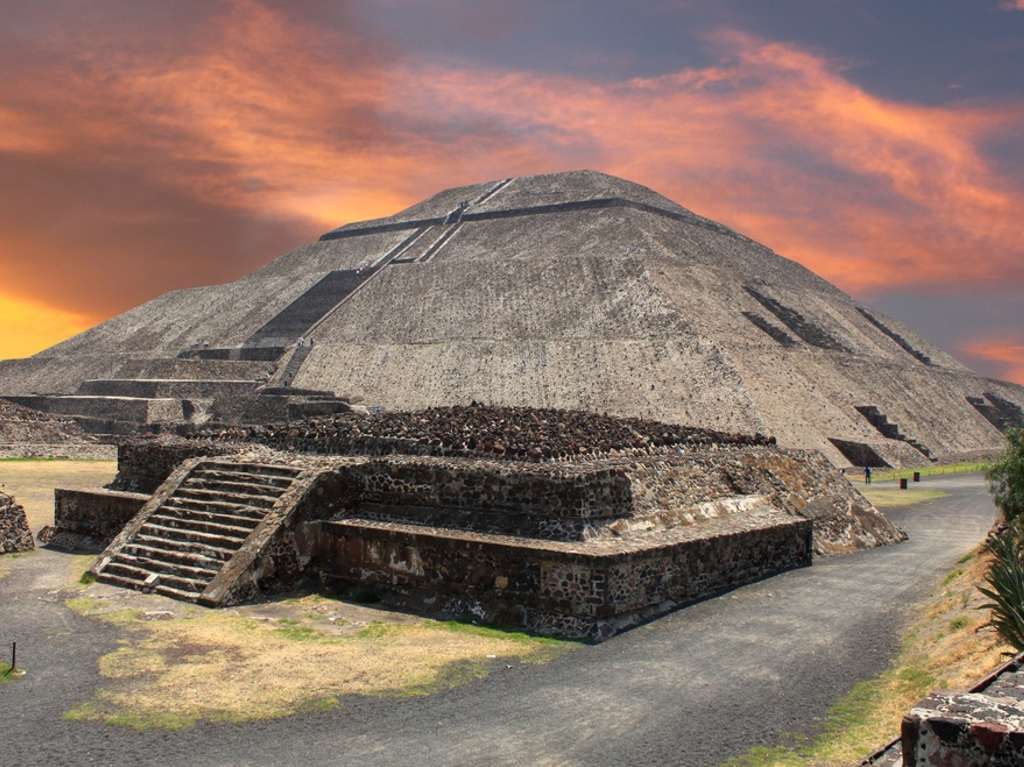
{"points": [[692, 688]]}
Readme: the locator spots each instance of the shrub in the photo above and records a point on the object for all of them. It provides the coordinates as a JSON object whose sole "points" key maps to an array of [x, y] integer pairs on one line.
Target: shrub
{"points": [[1006, 477], [1006, 585]]}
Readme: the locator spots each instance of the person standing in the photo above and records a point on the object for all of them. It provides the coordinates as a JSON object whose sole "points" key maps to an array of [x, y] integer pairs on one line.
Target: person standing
{"points": [[867, 475]]}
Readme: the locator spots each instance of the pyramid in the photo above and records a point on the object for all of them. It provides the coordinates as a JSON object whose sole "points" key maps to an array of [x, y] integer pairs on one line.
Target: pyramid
{"points": [[566, 290]]}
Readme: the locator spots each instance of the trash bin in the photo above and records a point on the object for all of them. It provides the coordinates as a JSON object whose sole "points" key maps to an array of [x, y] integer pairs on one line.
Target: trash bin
{"points": [[903, 483], [917, 476]]}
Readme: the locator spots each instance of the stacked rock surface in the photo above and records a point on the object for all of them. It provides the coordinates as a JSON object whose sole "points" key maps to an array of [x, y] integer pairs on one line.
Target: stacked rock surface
{"points": [[515, 433], [14, 531]]}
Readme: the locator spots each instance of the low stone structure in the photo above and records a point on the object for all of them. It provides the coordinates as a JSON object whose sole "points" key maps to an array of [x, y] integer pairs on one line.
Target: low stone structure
{"points": [[88, 520], [25, 433], [15, 535], [573, 523]]}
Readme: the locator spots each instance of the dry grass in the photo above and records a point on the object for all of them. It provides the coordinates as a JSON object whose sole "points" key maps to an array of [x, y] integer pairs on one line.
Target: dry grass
{"points": [[948, 646], [230, 666], [31, 482], [888, 497]]}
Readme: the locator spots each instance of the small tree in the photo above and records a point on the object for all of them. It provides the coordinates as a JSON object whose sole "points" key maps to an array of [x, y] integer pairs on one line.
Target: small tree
{"points": [[1006, 477]]}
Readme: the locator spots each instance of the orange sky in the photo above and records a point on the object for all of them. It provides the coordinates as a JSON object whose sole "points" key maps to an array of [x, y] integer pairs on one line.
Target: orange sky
{"points": [[132, 169]]}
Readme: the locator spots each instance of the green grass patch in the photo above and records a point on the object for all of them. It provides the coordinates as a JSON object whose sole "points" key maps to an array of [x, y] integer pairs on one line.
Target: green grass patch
{"points": [[135, 720], [87, 579], [293, 630], [5, 672], [378, 630], [889, 497], [958, 623], [490, 632], [932, 470], [965, 558], [951, 576]]}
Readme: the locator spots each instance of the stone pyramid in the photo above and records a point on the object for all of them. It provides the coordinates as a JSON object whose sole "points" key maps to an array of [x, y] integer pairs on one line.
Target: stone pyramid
{"points": [[569, 290]]}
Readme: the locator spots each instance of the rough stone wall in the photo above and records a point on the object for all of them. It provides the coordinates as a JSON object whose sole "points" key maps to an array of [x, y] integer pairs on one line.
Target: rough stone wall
{"points": [[15, 535], [144, 465], [573, 593], [590, 498], [90, 519], [984, 729]]}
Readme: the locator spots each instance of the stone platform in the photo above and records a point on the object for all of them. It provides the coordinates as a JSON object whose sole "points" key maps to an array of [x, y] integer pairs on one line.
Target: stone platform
{"points": [[580, 548]]}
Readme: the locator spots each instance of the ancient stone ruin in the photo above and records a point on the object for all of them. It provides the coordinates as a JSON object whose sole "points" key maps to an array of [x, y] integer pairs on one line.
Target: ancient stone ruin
{"points": [[570, 290], [559, 522], [984, 726], [15, 535]]}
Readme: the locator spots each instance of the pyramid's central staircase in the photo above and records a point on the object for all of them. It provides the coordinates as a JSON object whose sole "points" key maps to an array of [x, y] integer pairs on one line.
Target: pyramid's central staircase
{"points": [[204, 534]]}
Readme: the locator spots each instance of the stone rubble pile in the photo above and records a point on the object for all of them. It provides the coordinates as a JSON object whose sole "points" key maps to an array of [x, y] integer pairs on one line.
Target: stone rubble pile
{"points": [[14, 532], [515, 433], [19, 423]]}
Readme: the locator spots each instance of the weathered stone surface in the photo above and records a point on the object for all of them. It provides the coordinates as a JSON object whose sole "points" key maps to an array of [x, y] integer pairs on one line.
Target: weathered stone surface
{"points": [[570, 290], [984, 728], [622, 521], [88, 520], [14, 531]]}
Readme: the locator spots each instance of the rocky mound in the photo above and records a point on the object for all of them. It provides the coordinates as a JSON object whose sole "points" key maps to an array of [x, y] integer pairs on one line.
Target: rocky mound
{"points": [[14, 531], [514, 433], [21, 424]]}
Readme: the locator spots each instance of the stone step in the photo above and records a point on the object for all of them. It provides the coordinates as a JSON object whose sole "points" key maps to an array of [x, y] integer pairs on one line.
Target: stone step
{"points": [[221, 507], [235, 520], [120, 580], [169, 591], [261, 469], [171, 568], [223, 542], [234, 486], [199, 526], [172, 552], [171, 558], [243, 476], [141, 575], [258, 501]]}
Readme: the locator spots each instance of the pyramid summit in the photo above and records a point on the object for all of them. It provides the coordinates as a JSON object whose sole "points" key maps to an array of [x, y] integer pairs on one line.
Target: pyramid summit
{"points": [[568, 290]]}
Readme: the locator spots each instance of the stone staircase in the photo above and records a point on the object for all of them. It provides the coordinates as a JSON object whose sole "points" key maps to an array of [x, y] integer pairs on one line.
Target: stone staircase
{"points": [[891, 430], [203, 530], [1001, 413]]}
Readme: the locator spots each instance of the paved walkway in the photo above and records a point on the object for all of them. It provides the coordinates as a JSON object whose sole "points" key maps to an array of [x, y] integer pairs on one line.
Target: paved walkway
{"points": [[692, 688]]}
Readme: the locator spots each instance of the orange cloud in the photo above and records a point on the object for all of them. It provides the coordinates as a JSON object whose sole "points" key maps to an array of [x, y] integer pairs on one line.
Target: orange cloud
{"points": [[1008, 354], [1012, 5], [206, 158], [29, 326]]}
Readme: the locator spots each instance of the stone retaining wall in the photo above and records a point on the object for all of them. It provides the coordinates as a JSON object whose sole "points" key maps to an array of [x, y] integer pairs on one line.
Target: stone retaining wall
{"points": [[576, 592], [15, 535], [89, 519]]}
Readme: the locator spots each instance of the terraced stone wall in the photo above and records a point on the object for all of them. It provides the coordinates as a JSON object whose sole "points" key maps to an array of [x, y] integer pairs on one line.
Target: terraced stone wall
{"points": [[89, 519], [143, 465], [564, 592]]}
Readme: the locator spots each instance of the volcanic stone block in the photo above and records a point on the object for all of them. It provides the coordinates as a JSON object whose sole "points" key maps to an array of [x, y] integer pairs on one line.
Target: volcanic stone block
{"points": [[14, 531], [982, 729], [89, 519]]}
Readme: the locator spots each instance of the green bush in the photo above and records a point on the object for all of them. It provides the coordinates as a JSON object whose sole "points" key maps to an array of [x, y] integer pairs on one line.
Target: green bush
{"points": [[1006, 585], [1006, 477]]}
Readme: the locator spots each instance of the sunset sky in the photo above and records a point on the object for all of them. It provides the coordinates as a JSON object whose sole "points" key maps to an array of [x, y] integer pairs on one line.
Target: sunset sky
{"points": [[149, 146]]}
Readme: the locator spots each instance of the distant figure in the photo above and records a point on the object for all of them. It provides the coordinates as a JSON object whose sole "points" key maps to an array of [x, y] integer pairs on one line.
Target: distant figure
{"points": [[867, 475]]}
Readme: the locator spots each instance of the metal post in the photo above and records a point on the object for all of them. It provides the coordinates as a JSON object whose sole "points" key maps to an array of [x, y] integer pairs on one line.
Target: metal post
{"points": [[14, 656]]}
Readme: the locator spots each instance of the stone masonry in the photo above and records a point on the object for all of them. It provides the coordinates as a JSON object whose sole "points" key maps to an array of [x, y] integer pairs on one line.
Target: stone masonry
{"points": [[15, 535]]}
